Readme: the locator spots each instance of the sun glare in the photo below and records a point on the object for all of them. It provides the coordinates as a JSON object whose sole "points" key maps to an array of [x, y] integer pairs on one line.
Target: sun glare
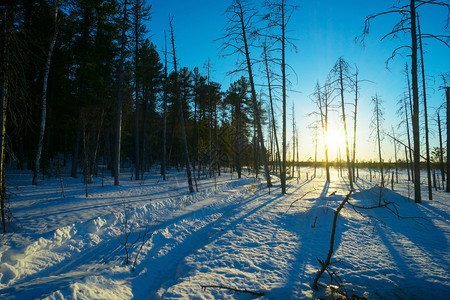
{"points": [[335, 141]]}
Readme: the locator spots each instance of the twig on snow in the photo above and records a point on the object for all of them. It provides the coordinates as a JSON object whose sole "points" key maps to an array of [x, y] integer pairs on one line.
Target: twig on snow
{"points": [[232, 289]]}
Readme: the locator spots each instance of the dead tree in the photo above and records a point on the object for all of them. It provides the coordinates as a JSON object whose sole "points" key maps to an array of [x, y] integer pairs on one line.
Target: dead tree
{"points": [[239, 35], [447, 96], [407, 25], [323, 102], [183, 130], [376, 125], [340, 79], [269, 88], [425, 111], [279, 16]]}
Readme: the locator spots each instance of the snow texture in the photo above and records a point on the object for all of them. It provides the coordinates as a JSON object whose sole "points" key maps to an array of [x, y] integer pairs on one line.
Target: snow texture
{"points": [[232, 234]]}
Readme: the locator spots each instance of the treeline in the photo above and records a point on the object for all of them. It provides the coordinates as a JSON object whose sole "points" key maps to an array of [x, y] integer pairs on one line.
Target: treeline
{"points": [[87, 64]]}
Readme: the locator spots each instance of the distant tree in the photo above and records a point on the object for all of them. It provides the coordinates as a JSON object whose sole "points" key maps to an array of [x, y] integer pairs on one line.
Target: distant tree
{"points": [[340, 80], [447, 96], [376, 125], [237, 98], [441, 148], [323, 101]]}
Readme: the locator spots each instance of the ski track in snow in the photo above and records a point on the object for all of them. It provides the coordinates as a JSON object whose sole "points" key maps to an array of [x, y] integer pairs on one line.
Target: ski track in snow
{"points": [[236, 235]]}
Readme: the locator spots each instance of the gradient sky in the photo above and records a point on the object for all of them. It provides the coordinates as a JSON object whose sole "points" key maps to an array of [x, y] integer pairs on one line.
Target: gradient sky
{"points": [[323, 31]]}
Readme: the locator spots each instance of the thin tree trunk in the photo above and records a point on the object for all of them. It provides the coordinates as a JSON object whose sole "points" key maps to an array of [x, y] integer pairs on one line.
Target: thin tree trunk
{"points": [[347, 151], [354, 125], [136, 91], [163, 164], [377, 111], [119, 97], [254, 99], [183, 130], [415, 117], [283, 78], [271, 105], [441, 152], [447, 95], [4, 98], [427, 140], [44, 98], [411, 114]]}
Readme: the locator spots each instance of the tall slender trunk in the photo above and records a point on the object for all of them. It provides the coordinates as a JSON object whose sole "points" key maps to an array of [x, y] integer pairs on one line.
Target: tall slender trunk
{"points": [[354, 125], [415, 117], [409, 141], [441, 152], [447, 95], [411, 114], [4, 101], [163, 164], [44, 97], [347, 150], [283, 78], [377, 111], [427, 140], [269, 87], [136, 90], [254, 99], [119, 97], [183, 130]]}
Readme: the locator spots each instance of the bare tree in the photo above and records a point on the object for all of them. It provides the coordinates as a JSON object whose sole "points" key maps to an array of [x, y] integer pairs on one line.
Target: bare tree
{"points": [[323, 102], [280, 13], [407, 24], [376, 126], [183, 130], [44, 95], [447, 96], [239, 35], [341, 80], [427, 139], [269, 88]]}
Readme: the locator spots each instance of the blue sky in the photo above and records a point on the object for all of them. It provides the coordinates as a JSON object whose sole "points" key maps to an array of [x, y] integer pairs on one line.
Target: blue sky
{"points": [[323, 31]]}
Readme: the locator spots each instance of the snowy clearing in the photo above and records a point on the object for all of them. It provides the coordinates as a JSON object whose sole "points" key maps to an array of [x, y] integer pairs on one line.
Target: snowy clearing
{"points": [[232, 234]]}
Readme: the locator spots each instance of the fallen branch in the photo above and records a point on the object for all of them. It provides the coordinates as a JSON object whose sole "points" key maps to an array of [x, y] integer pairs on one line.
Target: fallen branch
{"points": [[326, 263], [232, 289], [304, 195]]}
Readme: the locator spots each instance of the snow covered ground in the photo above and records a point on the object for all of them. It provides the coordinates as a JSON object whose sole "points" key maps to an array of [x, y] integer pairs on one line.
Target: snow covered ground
{"points": [[232, 233]]}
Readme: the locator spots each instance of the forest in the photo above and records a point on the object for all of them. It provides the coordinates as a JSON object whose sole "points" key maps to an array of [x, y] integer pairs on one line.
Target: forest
{"points": [[89, 99]]}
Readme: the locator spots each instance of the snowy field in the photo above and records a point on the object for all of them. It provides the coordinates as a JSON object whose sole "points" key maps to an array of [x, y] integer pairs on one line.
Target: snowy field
{"points": [[232, 234]]}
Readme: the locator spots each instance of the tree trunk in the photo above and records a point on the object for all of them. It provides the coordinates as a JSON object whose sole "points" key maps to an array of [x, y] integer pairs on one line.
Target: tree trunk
{"points": [[415, 117], [347, 150], [254, 99], [163, 164], [116, 165], [441, 152], [44, 98], [183, 130], [427, 140], [447, 95], [269, 87]]}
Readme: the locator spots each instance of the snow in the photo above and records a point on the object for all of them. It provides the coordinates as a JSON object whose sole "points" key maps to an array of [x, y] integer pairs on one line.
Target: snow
{"points": [[232, 234]]}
